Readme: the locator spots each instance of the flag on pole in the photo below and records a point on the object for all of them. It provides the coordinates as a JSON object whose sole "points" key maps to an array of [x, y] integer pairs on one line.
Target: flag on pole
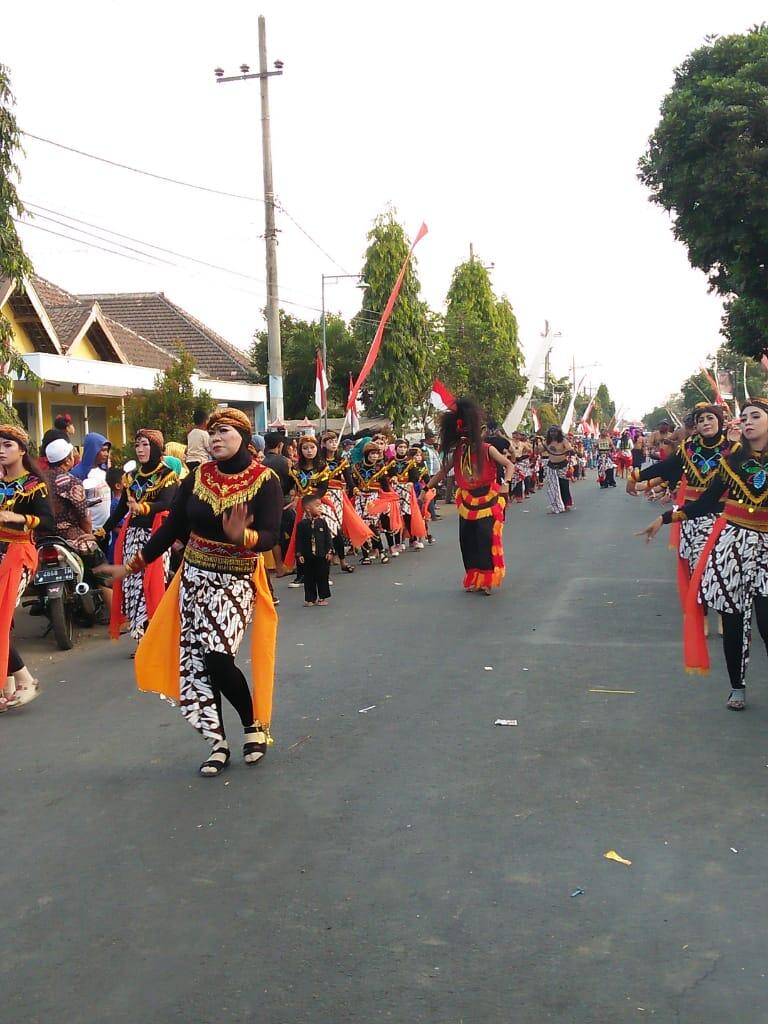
{"points": [[587, 412], [746, 391], [373, 351], [354, 419], [440, 397], [321, 384]]}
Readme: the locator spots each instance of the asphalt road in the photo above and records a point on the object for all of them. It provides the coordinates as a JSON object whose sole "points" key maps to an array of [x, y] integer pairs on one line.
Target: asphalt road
{"points": [[414, 862]]}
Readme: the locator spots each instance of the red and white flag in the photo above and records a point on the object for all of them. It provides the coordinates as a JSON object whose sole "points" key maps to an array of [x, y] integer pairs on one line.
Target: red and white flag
{"points": [[440, 397], [585, 415], [535, 420], [321, 384], [373, 351]]}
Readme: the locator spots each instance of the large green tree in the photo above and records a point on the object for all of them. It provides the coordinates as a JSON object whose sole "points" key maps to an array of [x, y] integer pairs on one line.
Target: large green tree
{"points": [[707, 165], [300, 341], [171, 406], [406, 361], [14, 264], [481, 354]]}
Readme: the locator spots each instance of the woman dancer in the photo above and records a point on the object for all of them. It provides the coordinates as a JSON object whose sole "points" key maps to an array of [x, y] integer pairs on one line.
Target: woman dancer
{"points": [[24, 511], [732, 570], [606, 467], [227, 512], [403, 475], [556, 481], [148, 493], [372, 497], [340, 484], [696, 463], [478, 494]]}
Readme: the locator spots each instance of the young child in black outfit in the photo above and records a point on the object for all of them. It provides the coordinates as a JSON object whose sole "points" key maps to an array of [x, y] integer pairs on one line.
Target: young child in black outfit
{"points": [[314, 550]]}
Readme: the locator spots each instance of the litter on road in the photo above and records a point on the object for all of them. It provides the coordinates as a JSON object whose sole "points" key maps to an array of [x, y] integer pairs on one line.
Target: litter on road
{"points": [[489, 668], [612, 855], [577, 892], [599, 689], [505, 721], [362, 711]]}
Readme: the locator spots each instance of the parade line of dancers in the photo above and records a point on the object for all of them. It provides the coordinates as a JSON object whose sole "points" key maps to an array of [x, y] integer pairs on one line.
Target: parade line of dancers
{"points": [[196, 543]]}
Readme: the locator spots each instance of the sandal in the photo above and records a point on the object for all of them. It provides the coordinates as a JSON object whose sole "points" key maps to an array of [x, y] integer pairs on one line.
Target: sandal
{"points": [[25, 694], [346, 567], [8, 703], [216, 763], [384, 559], [255, 746], [366, 561], [737, 701]]}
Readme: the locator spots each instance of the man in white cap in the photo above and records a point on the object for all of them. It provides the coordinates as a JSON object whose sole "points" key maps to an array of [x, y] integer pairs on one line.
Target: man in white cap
{"points": [[70, 506]]}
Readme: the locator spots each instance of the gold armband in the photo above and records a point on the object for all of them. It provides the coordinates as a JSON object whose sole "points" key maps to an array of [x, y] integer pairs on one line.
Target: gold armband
{"points": [[144, 508], [136, 564], [31, 523], [250, 538], [678, 516]]}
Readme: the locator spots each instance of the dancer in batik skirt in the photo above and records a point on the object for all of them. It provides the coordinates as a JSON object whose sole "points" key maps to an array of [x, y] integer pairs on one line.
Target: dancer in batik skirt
{"points": [[478, 494], [606, 467], [227, 512], [694, 466], [349, 526], [556, 483], [732, 570], [24, 512], [148, 493], [403, 475], [375, 502]]}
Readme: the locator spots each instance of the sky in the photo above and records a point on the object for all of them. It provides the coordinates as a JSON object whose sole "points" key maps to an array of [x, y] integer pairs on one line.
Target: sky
{"points": [[514, 127]]}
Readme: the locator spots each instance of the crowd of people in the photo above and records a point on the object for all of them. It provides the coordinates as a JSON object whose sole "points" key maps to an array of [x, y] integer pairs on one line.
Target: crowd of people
{"points": [[184, 540]]}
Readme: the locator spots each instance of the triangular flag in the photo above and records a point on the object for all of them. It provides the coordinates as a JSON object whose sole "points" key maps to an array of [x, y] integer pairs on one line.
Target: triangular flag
{"points": [[440, 397]]}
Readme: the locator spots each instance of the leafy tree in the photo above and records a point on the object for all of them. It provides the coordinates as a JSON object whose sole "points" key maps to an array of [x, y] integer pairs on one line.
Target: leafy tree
{"points": [[300, 341], [14, 264], [406, 362], [653, 418], [605, 407], [171, 406], [548, 416], [481, 354], [706, 164]]}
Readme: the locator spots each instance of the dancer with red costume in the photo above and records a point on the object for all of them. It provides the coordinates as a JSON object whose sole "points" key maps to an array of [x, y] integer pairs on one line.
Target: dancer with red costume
{"points": [[479, 496]]}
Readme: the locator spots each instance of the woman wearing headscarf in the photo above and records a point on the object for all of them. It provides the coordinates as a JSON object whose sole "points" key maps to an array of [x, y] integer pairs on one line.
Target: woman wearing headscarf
{"points": [[731, 575], [227, 513], [148, 493], [478, 494], [24, 510]]}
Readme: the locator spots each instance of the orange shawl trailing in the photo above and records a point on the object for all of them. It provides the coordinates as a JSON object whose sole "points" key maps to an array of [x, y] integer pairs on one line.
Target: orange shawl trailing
{"points": [[387, 503], [21, 555], [158, 655], [154, 579], [418, 527], [695, 650]]}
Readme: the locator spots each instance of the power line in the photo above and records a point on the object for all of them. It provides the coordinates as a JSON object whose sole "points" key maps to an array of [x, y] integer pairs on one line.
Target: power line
{"points": [[317, 245], [82, 241], [139, 170]]}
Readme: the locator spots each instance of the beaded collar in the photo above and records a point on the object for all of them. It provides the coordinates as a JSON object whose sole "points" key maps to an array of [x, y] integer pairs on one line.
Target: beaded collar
{"points": [[225, 490], [22, 487], [701, 460]]}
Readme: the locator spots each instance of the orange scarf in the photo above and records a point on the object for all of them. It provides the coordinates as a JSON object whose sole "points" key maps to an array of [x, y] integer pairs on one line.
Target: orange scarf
{"points": [[695, 651], [158, 655], [21, 555]]}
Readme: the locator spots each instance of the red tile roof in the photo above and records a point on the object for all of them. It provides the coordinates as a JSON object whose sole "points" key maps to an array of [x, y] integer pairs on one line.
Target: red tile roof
{"points": [[156, 318]]}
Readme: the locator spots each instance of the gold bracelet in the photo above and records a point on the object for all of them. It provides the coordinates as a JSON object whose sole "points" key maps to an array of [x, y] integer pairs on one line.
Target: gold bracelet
{"points": [[136, 564], [250, 538], [31, 522], [678, 516]]}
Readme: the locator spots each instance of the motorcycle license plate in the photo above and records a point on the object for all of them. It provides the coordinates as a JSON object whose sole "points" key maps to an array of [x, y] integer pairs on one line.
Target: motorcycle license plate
{"points": [[56, 574]]}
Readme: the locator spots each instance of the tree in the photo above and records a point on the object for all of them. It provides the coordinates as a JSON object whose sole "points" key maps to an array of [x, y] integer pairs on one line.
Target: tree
{"points": [[171, 406], [300, 341], [406, 362], [14, 264], [548, 416], [653, 418], [481, 354], [605, 407], [706, 164]]}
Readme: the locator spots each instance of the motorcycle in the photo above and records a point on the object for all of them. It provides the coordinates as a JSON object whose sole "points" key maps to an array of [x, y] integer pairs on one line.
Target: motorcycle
{"points": [[63, 590]]}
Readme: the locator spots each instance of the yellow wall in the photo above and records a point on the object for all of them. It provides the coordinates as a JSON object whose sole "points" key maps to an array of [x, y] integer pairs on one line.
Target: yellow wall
{"points": [[84, 349], [21, 340], [62, 396]]}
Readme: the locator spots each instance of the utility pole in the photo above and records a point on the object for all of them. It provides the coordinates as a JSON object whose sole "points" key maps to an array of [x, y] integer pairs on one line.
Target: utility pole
{"points": [[275, 362], [274, 356]]}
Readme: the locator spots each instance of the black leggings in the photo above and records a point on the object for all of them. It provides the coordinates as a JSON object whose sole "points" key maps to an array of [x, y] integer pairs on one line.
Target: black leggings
{"points": [[733, 641], [15, 661], [227, 680]]}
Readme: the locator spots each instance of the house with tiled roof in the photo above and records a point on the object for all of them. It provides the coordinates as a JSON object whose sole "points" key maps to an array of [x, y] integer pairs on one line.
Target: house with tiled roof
{"points": [[92, 352]]}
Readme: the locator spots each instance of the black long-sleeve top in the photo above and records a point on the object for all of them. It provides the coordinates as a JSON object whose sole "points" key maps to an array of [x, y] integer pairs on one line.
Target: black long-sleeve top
{"points": [[27, 496], [696, 458], [746, 483], [313, 538], [154, 491], [206, 494], [338, 469]]}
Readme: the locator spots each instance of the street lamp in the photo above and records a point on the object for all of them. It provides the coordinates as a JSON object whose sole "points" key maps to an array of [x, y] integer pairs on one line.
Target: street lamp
{"points": [[275, 363], [333, 277]]}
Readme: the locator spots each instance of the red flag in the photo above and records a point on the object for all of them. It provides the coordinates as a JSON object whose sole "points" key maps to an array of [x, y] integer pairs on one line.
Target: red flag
{"points": [[321, 384], [373, 351], [354, 420], [440, 397]]}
